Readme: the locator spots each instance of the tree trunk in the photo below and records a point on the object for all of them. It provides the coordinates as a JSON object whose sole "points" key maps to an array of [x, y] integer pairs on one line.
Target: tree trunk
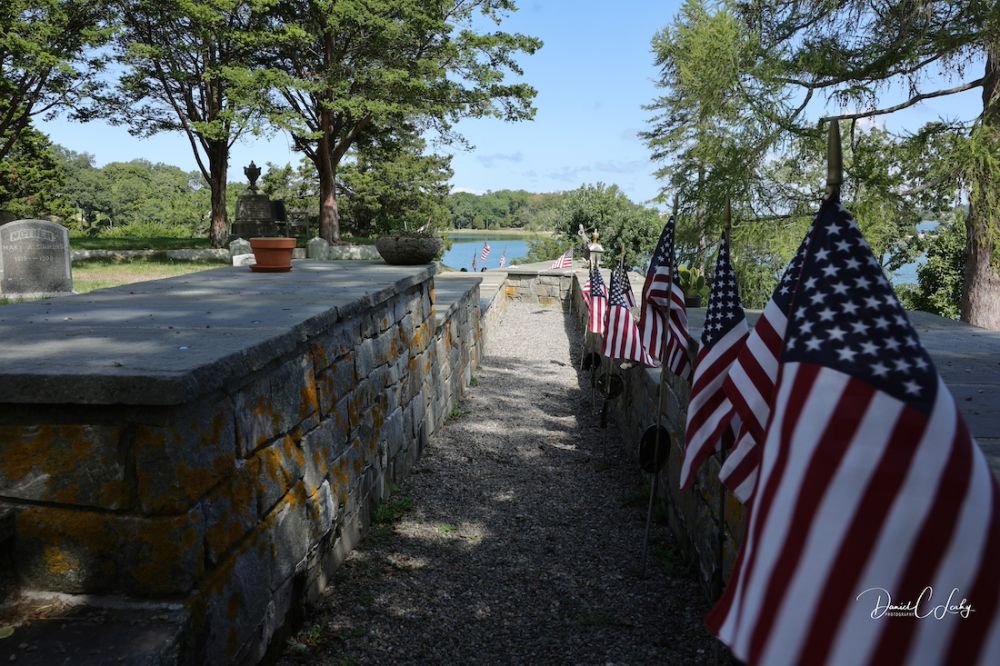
{"points": [[218, 161], [329, 216], [981, 300]]}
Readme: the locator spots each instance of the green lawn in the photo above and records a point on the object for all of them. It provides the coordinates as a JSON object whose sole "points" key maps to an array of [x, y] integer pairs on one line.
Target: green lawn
{"points": [[91, 275]]}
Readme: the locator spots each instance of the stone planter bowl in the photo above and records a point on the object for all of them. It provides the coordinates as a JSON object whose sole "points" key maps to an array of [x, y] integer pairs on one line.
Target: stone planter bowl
{"points": [[408, 250]]}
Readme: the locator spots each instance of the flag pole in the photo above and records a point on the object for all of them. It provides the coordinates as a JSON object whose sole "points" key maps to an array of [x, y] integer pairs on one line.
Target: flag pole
{"points": [[607, 382], [659, 405], [721, 551], [834, 160]]}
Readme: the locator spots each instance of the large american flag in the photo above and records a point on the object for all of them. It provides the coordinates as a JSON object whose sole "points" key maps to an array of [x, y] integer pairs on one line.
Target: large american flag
{"points": [[871, 490], [565, 260], [598, 302], [486, 251], [749, 385], [622, 337], [663, 319], [709, 411]]}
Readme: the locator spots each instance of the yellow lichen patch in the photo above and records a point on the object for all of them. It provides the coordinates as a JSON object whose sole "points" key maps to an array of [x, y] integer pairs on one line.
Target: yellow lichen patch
{"points": [[358, 465], [510, 292], [309, 398], [57, 453], [293, 451], [319, 355], [59, 562]]}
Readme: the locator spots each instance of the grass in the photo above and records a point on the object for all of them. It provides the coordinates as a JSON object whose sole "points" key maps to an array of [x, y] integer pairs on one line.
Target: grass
{"points": [[100, 274], [391, 510], [447, 528]]}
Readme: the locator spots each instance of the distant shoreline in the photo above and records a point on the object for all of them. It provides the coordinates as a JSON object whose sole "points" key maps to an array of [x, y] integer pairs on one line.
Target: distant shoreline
{"points": [[498, 232]]}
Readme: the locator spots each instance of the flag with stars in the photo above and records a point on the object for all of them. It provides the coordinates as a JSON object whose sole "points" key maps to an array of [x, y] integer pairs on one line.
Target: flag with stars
{"points": [[622, 337], [486, 251], [503, 258], [629, 294], [565, 260], [709, 411], [871, 490], [749, 384], [598, 302], [663, 318]]}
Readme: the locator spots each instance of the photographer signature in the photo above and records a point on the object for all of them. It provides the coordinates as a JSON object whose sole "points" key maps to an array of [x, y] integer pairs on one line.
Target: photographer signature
{"points": [[922, 608]]}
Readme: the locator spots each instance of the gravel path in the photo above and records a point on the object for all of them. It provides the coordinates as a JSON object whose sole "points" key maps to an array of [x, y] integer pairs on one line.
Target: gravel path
{"points": [[516, 539]]}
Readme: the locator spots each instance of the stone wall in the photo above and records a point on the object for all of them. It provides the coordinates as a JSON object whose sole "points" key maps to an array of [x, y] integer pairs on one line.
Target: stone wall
{"points": [[533, 286], [236, 505]]}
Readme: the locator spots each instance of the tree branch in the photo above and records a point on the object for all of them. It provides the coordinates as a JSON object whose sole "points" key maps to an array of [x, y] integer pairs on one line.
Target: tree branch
{"points": [[908, 103]]}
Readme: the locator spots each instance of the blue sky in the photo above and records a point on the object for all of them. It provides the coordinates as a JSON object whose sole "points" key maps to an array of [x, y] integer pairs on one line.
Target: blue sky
{"points": [[593, 76]]}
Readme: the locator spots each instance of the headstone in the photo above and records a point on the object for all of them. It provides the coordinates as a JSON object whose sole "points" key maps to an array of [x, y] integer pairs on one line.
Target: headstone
{"points": [[34, 259], [239, 246], [318, 248]]}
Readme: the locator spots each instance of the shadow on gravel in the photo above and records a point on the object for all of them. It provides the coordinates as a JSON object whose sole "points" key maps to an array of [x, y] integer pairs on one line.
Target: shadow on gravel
{"points": [[512, 541]]}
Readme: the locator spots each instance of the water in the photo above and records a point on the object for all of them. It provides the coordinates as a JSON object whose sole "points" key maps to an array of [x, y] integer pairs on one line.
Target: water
{"points": [[464, 247], [907, 273]]}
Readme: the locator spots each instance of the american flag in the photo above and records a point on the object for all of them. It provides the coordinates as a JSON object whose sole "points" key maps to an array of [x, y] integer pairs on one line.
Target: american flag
{"points": [[503, 258], [629, 294], [564, 261], [709, 412], [871, 490], [474, 258], [750, 383], [622, 337], [663, 321], [486, 251], [597, 302]]}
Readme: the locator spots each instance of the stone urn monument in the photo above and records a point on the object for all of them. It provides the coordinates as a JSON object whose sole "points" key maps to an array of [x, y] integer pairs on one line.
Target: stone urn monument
{"points": [[254, 210]]}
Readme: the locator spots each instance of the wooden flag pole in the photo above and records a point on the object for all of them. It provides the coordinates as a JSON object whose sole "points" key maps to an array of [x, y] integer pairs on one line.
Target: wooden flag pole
{"points": [[834, 160], [659, 404]]}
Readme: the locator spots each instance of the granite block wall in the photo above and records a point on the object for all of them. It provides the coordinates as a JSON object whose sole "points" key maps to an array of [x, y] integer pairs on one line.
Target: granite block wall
{"points": [[239, 504]]}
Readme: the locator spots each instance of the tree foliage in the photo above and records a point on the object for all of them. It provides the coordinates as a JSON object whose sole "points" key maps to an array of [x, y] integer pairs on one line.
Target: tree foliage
{"points": [[32, 178], [189, 69], [736, 121], [506, 209], [390, 184], [344, 68], [49, 59], [627, 230]]}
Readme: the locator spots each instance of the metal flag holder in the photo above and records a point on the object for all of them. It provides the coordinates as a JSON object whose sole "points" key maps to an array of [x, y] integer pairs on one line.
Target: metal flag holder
{"points": [[657, 433]]}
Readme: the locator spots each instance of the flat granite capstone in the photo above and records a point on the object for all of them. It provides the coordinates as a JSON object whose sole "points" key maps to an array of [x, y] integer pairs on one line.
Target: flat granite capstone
{"points": [[166, 342]]}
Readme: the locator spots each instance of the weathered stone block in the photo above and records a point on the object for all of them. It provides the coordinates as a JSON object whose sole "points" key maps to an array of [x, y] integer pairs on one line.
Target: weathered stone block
{"points": [[82, 465], [333, 344], [290, 533], [84, 552], [233, 601], [335, 382], [177, 464], [276, 404], [231, 510], [279, 467], [320, 448]]}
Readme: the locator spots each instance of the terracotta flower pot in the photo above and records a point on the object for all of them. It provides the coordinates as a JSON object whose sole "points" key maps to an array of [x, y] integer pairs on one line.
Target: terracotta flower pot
{"points": [[408, 250], [273, 255]]}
